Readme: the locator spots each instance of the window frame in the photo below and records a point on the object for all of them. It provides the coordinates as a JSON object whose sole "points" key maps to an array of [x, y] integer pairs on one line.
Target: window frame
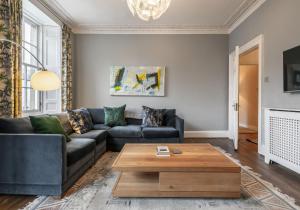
{"points": [[27, 19]]}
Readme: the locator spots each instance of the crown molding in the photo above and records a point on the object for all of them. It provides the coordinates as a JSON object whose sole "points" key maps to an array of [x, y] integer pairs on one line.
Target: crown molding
{"points": [[246, 8], [149, 29], [56, 9], [245, 15]]}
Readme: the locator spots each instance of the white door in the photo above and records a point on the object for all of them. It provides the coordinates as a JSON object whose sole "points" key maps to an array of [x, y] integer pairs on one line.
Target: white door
{"points": [[235, 96], [52, 61]]}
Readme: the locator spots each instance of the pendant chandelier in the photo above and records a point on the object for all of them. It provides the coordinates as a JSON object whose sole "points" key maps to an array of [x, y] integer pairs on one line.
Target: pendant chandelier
{"points": [[148, 9]]}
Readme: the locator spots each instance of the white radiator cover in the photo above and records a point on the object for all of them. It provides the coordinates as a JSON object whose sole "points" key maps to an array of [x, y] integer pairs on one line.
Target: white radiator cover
{"points": [[282, 137]]}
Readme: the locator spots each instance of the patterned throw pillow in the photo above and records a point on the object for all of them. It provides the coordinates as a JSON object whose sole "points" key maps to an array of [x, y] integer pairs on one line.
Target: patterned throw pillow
{"points": [[114, 116], [80, 120], [64, 121], [152, 117]]}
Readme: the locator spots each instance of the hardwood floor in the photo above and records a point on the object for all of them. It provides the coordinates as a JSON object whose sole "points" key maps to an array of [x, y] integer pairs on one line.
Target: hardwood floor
{"points": [[286, 180]]}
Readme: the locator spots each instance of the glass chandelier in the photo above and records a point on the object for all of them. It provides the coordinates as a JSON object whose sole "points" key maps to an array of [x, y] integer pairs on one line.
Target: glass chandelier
{"points": [[148, 9]]}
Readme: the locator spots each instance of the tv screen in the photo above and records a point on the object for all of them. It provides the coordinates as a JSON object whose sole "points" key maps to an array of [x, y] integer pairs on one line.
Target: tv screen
{"points": [[291, 65]]}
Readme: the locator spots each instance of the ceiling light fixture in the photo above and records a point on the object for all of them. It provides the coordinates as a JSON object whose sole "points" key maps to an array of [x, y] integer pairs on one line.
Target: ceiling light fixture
{"points": [[148, 9]]}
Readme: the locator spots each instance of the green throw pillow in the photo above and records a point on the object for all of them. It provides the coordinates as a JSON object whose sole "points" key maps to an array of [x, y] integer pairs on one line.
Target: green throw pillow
{"points": [[47, 125], [114, 116]]}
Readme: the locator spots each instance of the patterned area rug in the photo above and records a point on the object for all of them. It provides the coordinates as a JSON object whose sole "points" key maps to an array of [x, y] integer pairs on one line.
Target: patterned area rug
{"points": [[93, 191]]}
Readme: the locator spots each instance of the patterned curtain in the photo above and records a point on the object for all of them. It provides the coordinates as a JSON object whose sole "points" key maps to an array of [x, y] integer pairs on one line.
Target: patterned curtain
{"points": [[10, 58], [66, 86]]}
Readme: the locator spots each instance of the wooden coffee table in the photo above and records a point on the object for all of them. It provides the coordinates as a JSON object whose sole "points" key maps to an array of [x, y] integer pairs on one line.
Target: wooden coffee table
{"points": [[200, 171]]}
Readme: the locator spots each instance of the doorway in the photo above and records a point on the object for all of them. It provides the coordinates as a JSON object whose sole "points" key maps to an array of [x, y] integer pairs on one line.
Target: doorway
{"points": [[251, 55], [248, 99]]}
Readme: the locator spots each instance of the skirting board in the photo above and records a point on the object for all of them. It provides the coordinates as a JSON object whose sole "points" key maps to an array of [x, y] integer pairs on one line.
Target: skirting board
{"points": [[206, 134], [251, 127]]}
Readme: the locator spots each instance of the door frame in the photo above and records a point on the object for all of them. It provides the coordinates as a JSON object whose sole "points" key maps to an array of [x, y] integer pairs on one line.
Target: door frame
{"points": [[256, 42]]}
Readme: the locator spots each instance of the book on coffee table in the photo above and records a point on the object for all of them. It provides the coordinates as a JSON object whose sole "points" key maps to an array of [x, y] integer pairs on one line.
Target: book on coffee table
{"points": [[162, 151]]}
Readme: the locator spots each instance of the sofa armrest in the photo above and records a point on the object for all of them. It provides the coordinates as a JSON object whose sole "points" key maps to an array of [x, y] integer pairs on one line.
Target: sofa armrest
{"points": [[32, 159], [180, 127]]}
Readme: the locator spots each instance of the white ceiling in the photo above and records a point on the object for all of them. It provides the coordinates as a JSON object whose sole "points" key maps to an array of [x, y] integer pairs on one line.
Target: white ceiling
{"points": [[190, 16]]}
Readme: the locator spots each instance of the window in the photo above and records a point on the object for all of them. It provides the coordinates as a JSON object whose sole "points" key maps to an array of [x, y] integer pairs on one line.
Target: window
{"points": [[31, 99], [42, 38]]}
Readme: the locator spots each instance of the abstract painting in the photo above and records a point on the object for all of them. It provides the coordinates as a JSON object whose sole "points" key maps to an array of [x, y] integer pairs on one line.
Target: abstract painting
{"points": [[137, 80]]}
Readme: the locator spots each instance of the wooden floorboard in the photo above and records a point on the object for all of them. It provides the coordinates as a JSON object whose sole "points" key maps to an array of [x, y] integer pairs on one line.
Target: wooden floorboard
{"points": [[286, 180]]}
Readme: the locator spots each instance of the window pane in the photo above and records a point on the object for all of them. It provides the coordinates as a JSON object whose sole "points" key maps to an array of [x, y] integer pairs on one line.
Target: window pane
{"points": [[24, 104], [30, 33], [30, 100], [30, 72], [23, 73], [27, 58]]}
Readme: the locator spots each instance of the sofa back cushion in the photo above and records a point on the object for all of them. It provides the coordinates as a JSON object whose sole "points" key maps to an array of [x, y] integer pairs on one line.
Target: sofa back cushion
{"points": [[97, 115], [134, 121], [15, 125], [169, 118]]}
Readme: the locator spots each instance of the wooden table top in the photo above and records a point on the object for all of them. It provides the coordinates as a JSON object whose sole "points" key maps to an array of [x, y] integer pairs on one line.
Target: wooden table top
{"points": [[194, 157]]}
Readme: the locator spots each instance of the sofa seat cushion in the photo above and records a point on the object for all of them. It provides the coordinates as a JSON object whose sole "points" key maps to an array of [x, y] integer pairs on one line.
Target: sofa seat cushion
{"points": [[98, 135], [160, 132], [130, 131], [78, 148], [101, 127]]}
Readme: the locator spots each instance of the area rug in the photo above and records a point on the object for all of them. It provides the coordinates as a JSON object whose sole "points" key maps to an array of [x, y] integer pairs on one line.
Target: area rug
{"points": [[93, 191]]}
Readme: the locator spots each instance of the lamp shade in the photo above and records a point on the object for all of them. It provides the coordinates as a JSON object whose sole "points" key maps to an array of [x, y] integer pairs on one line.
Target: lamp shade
{"points": [[45, 81]]}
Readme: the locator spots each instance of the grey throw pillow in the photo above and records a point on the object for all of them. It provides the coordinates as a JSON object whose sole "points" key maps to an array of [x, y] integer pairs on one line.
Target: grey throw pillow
{"points": [[152, 117]]}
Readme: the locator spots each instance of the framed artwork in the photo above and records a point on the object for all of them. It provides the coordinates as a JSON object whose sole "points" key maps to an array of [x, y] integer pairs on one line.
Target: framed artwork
{"points": [[137, 81]]}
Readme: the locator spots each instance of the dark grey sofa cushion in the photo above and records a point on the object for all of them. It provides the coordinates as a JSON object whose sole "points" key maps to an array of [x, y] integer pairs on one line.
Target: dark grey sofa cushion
{"points": [[97, 115], [98, 135], [15, 125], [134, 121], [129, 131], [160, 132], [101, 127], [78, 148], [169, 118]]}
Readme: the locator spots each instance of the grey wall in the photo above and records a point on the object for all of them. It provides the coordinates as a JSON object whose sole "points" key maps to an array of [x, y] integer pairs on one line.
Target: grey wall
{"points": [[278, 21], [196, 74]]}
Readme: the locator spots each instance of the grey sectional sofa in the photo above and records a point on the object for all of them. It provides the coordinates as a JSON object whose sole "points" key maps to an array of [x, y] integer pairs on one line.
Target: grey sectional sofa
{"points": [[45, 164]]}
